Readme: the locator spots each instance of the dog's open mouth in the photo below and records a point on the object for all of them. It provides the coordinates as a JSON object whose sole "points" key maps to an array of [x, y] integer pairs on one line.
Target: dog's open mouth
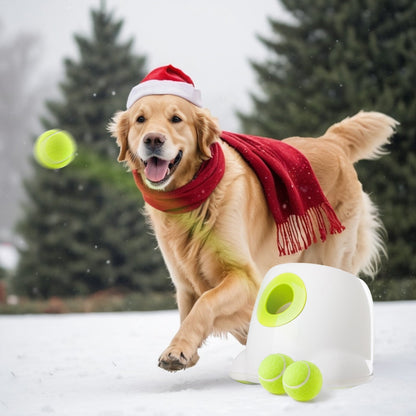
{"points": [[159, 170]]}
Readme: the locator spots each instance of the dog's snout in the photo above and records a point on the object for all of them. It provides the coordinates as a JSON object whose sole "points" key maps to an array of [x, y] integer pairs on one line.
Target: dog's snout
{"points": [[154, 141]]}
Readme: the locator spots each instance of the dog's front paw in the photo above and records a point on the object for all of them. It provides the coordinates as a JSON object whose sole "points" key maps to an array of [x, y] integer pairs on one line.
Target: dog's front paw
{"points": [[173, 360]]}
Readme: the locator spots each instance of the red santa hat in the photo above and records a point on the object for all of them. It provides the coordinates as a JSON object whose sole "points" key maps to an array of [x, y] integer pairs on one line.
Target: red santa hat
{"points": [[166, 80]]}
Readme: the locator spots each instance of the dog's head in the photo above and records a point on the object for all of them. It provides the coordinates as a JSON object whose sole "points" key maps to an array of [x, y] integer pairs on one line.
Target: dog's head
{"points": [[164, 137]]}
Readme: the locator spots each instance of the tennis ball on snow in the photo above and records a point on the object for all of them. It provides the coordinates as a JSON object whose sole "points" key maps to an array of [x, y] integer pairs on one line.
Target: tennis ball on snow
{"points": [[55, 149], [302, 381], [271, 372]]}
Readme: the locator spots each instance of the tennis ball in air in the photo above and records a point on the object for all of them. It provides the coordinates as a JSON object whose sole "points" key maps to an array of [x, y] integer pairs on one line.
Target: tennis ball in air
{"points": [[302, 381], [55, 149], [271, 372]]}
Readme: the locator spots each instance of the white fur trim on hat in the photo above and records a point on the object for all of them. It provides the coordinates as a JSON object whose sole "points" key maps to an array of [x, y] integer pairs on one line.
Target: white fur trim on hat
{"points": [[157, 87]]}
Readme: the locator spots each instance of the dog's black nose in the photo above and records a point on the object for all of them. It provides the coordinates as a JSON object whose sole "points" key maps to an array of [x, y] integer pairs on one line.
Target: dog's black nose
{"points": [[154, 141]]}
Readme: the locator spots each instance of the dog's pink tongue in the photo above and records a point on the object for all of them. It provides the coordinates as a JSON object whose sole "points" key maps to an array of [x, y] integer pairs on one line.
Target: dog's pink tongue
{"points": [[156, 169]]}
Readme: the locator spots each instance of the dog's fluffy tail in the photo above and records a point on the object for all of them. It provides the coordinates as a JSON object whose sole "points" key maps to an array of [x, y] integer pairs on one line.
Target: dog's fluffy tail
{"points": [[363, 135]]}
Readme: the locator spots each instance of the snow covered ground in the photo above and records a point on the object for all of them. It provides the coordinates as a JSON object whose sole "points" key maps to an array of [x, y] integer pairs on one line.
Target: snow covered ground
{"points": [[106, 365]]}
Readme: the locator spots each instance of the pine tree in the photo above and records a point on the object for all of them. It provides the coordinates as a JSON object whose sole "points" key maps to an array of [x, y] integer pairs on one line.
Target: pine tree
{"points": [[332, 60], [96, 84], [82, 225]]}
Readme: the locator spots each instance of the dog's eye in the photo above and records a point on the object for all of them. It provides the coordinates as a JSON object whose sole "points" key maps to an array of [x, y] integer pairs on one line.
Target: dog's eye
{"points": [[175, 119], [141, 119]]}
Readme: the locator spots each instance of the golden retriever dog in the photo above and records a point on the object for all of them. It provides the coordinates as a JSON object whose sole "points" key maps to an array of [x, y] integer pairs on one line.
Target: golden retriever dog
{"points": [[218, 253]]}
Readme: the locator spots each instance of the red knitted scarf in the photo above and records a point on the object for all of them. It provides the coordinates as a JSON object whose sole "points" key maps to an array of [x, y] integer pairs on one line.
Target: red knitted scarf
{"points": [[292, 191]]}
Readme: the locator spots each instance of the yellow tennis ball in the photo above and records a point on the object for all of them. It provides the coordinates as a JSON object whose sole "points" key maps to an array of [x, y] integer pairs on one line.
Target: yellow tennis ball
{"points": [[271, 372], [302, 381], [55, 149]]}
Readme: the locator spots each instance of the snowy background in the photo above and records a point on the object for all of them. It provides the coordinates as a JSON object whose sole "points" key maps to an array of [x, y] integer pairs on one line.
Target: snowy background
{"points": [[212, 41], [106, 365]]}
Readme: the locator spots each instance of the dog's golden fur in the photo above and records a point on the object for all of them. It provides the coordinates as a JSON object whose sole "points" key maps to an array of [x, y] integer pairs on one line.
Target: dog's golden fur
{"points": [[218, 253]]}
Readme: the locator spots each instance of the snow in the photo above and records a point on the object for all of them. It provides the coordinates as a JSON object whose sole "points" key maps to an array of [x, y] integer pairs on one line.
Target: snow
{"points": [[106, 365], [9, 256]]}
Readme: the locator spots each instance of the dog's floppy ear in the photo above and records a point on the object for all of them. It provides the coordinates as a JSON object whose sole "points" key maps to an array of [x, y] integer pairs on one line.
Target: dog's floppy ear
{"points": [[119, 128], [207, 131]]}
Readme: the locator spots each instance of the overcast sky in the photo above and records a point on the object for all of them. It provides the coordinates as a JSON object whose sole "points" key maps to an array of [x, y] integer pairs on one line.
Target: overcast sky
{"points": [[210, 40]]}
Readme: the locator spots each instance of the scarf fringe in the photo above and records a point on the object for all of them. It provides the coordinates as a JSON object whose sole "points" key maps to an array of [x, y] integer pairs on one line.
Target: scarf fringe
{"points": [[298, 232]]}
